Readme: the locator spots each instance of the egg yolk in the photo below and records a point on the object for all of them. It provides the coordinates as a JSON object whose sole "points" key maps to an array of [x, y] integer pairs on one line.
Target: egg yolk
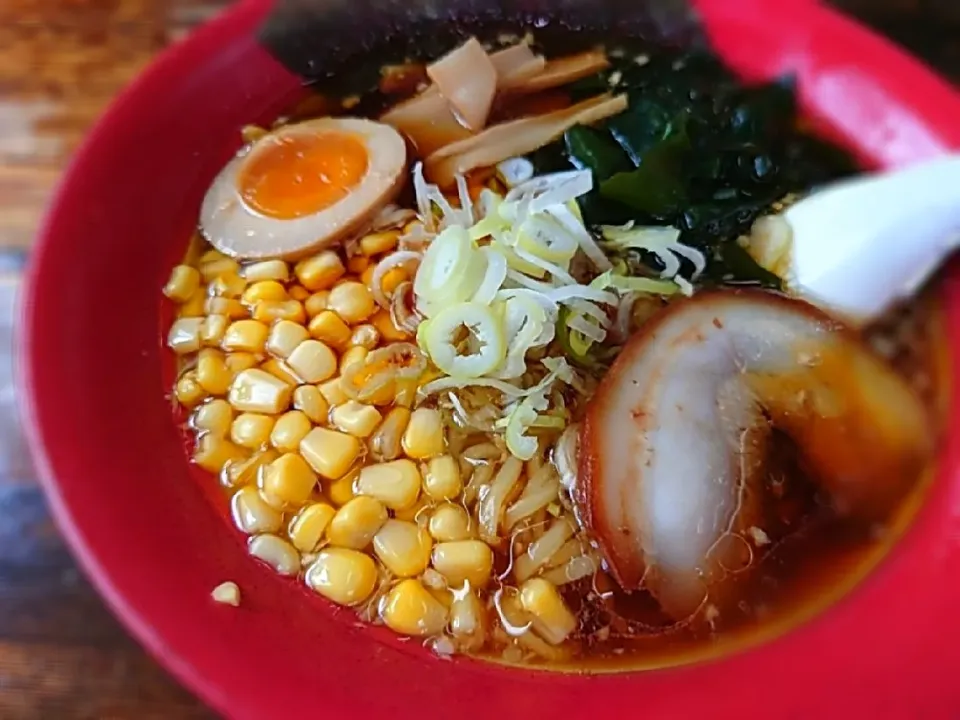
{"points": [[292, 176]]}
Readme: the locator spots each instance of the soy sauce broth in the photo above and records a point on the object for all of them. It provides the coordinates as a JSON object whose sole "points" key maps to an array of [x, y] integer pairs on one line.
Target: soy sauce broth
{"points": [[807, 556]]}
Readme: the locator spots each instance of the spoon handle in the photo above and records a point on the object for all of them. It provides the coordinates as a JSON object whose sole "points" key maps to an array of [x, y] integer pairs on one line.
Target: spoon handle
{"points": [[862, 244]]}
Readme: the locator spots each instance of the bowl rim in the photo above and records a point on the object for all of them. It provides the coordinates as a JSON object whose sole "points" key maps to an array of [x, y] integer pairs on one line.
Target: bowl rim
{"points": [[861, 47]]}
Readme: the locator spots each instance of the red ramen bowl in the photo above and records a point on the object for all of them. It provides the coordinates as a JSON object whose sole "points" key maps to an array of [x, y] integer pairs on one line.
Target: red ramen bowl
{"points": [[152, 533]]}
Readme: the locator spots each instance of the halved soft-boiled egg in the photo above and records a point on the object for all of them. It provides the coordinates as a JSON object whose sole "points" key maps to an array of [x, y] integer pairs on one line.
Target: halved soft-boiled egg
{"points": [[303, 187]]}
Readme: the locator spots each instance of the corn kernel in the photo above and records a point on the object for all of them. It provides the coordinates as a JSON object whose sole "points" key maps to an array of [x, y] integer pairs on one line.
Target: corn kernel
{"points": [[214, 417], [212, 330], [392, 279], [275, 552], [307, 528], [366, 277], [252, 430], [441, 481], [333, 393], [340, 491], [298, 293], [328, 327], [357, 264], [464, 560], [316, 303], [385, 395], [406, 392], [353, 355], [239, 361], [212, 372], [289, 479], [320, 272], [213, 452], [308, 400], [329, 452], [229, 285], [214, 268], [290, 429], [396, 484], [251, 514], [196, 305], [284, 338], [388, 331], [267, 270], [467, 617], [410, 609], [552, 619], [184, 335], [313, 361], [379, 242], [189, 392], [281, 371], [209, 255], [416, 513], [385, 442], [270, 310], [356, 523], [245, 472], [424, 435], [449, 523], [232, 308], [365, 336], [403, 548], [346, 577], [264, 291], [254, 390], [355, 418], [246, 335], [352, 301], [226, 593], [183, 283]]}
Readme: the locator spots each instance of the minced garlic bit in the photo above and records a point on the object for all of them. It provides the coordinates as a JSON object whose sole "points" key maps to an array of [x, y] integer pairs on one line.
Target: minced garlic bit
{"points": [[759, 537], [227, 593], [711, 613]]}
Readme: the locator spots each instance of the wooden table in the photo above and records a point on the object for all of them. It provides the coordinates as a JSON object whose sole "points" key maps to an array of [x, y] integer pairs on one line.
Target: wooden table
{"points": [[62, 655]]}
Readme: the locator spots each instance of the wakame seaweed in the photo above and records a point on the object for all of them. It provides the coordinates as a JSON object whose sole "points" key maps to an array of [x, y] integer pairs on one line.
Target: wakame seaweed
{"points": [[696, 149]]}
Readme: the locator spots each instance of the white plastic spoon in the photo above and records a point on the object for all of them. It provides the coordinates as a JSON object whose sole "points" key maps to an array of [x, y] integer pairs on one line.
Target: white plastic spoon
{"points": [[862, 244]]}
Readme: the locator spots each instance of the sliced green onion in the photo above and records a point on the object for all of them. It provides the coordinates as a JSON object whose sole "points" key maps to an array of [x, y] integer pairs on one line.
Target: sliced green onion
{"points": [[490, 226], [569, 217], [581, 292], [635, 284], [521, 445], [549, 422], [515, 262], [541, 236], [586, 326], [627, 236], [526, 327], [494, 275], [663, 241], [451, 271], [514, 171], [574, 343], [485, 346]]}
